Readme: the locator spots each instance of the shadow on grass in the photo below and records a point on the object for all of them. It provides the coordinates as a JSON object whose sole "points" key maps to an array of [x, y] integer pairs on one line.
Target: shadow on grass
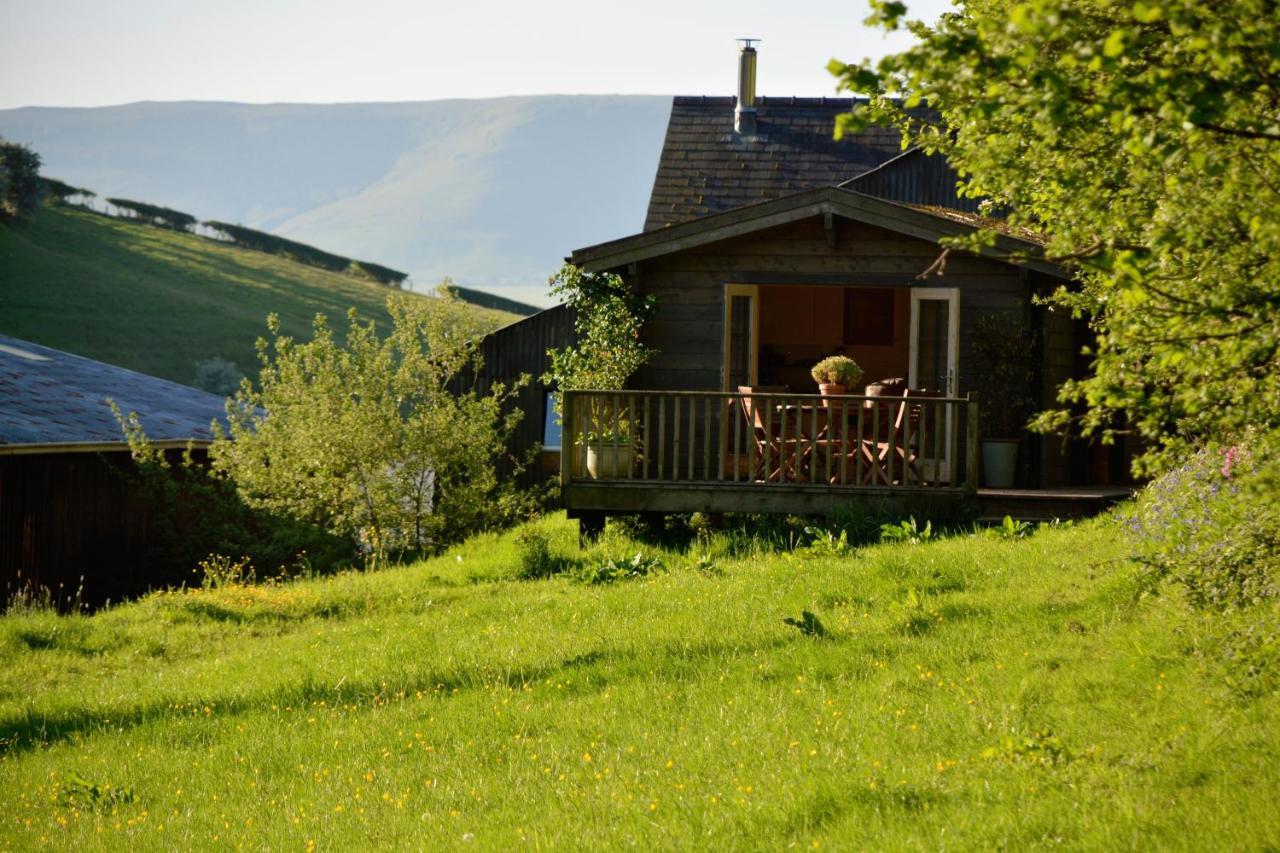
{"points": [[831, 804], [579, 674]]}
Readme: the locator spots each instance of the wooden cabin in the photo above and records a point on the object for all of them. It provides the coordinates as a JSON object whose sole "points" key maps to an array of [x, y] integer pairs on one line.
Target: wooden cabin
{"points": [[73, 522], [770, 245]]}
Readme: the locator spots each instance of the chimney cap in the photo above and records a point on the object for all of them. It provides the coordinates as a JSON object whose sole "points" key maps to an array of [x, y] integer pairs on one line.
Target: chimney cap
{"points": [[747, 43]]}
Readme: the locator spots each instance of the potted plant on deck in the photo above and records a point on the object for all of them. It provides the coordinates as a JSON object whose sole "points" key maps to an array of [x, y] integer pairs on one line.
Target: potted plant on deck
{"points": [[1004, 382], [608, 350], [836, 374]]}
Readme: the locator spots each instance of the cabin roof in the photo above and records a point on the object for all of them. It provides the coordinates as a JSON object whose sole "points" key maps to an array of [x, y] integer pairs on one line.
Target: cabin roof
{"points": [[707, 168], [921, 221], [54, 400]]}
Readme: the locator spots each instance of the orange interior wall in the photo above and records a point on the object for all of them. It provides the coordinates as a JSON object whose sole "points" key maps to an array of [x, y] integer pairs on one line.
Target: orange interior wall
{"points": [[801, 325]]}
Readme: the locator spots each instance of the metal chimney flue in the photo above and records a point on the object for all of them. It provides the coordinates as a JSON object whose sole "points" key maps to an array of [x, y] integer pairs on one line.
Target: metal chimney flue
{"points": [[744, 116]]}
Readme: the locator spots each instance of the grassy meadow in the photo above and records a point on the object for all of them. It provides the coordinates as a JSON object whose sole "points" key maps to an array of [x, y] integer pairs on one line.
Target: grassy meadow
{"points": [[970, 692], [158, 301]]}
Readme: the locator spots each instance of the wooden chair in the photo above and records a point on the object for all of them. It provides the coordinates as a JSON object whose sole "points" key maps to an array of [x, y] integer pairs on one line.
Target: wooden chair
{"points": [[768, 449], [904, 454]]}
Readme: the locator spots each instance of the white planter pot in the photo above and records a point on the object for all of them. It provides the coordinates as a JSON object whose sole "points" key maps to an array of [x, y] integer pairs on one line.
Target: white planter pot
{"points": [[609, 462], [999, 462]]}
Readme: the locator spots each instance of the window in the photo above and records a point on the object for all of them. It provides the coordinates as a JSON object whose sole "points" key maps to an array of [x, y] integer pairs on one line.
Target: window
{"points": [[868, 316], [550, 424]]}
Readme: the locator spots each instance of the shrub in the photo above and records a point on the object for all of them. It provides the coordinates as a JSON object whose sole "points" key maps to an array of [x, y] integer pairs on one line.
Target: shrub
{"points": [[196, 512], [612, 570], [218, 376], [19, 181], [536, 561], [1213, 524], [368, 438], [836, 370], [907, 531]]}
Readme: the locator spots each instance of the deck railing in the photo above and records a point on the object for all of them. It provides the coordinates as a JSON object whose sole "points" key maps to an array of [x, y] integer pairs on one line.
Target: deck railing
{"points": [[776, 440]]}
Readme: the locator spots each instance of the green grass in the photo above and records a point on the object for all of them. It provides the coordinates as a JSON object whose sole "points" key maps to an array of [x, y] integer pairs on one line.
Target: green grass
{"points": [[971, 694], [160, 302]]}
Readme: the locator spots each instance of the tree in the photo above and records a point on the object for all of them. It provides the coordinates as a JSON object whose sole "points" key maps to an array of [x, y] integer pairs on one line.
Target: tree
{"points": [[1144, 139], [366, 437], [19, 181], [607, 322]]}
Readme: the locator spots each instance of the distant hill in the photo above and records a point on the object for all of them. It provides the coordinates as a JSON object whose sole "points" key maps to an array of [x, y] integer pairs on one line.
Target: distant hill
{"points": [[160, 301], [493, 193], [498, 303]]}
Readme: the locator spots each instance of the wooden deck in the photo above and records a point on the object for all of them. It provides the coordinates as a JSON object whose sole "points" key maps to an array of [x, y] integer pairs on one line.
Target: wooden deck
{"points": [[629, 452], [717, 452]]}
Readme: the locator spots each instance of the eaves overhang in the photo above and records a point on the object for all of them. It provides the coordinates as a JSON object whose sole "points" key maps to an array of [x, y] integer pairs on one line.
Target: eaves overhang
{"points": [[824, 201]]}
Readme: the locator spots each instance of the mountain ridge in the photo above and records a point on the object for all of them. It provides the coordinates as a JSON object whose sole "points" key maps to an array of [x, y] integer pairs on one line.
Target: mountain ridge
{"points": [[493, 192]]}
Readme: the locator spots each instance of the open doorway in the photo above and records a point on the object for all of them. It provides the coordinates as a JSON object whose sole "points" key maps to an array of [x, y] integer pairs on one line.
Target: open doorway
{"points": [[800, 325]]}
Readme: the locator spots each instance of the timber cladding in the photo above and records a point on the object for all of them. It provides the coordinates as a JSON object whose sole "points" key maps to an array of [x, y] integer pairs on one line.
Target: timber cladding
{"points": [[68, 519], [688, 327], [519, 350]]}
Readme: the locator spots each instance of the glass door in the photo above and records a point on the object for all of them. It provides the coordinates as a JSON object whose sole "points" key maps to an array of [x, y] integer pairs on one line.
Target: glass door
{"points": [[741, 336], [935, 353]]}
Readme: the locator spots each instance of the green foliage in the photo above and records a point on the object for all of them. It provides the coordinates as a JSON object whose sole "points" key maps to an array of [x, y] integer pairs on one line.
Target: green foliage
{"points": [[907, 531], [607, 322], [218, 571], [837, 370], [614, 570], [196, 512], [62, 191], [824, 543], [20, 188], [367, 437], [607, 350], [1213, 525], [154, 214], [1006, 376], [218, 375], [536, 560], [1011, 529], [83, 794], [1144, 140], [261, 241]]}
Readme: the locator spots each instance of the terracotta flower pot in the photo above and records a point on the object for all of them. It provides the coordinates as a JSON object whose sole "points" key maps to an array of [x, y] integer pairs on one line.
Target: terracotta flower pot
{"points": [[829, 389]]}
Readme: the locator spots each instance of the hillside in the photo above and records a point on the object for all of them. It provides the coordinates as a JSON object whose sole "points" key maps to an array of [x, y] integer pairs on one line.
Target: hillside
{"points": [[970, 694], [159, 301], [493, 193]]}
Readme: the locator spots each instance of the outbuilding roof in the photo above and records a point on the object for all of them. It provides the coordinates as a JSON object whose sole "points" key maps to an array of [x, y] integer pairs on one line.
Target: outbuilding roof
{"points": [[707, 168], [53, 400]]}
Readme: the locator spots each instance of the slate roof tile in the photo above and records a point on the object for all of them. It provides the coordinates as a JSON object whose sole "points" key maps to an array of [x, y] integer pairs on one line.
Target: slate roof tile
{"points": [[48, 396], [793, 149]]}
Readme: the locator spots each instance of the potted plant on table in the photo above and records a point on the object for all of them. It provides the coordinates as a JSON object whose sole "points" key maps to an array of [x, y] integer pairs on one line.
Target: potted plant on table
{"points": [[836, 374], [608, 349], [1004, 381]]}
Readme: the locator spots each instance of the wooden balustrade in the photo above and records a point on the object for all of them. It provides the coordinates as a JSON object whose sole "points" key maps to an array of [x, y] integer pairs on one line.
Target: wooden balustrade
{"points": [[773, 439]]}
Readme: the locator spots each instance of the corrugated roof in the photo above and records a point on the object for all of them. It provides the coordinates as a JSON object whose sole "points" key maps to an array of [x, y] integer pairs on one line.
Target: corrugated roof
{"points": [[48, 396], [706, 167]]}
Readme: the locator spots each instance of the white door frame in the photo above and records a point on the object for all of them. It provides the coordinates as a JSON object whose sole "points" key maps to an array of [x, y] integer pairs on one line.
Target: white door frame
{"points": [[952, 296]]}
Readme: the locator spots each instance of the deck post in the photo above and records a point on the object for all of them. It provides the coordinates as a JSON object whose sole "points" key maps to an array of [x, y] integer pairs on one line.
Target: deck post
{"points": [[590, 526], [567, 442], [971, 444]]}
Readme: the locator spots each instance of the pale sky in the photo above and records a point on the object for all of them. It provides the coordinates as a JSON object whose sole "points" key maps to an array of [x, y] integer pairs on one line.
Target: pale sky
{"points": [[100, 52]]}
